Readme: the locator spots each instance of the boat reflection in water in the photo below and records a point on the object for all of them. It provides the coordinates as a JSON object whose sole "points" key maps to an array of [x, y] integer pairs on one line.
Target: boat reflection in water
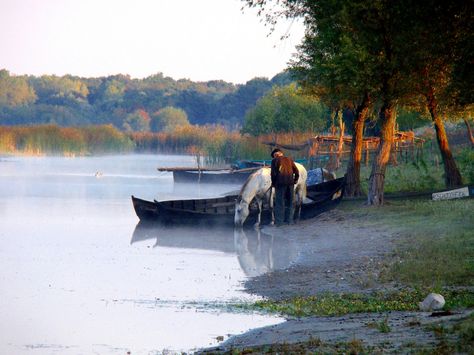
{"points": [[257, 252]]}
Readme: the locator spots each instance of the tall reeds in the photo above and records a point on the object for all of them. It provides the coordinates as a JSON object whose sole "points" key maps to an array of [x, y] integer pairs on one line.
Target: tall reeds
{"points": [[51, 139], [214, 143]]}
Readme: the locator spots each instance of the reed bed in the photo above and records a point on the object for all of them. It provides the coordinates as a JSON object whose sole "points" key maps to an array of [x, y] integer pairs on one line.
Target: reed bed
{"points": [[67, 141]]}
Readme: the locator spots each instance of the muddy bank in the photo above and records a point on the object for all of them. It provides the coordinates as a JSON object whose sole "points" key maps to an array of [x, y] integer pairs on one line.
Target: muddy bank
{"points": [[337, 253], [407, 330]]}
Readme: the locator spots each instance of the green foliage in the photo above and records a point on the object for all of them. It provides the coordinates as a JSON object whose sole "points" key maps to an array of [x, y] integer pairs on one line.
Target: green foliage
{"points": [[286, 109], [14, 90], [414, 176], [137, 121], [409, 120], [466, 165], [52, 89], [75, 101], [168, 118]]}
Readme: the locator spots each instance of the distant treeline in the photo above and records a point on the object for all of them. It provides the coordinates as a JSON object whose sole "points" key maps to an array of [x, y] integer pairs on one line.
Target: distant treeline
{"points": [[124, 102]]}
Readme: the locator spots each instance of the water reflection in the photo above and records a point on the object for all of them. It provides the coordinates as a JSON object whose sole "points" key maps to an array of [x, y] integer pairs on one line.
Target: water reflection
{"points": [[71, 283], [257, 252]]}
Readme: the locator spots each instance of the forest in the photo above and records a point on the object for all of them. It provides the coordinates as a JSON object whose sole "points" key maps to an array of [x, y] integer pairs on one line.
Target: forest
{"points": [[127, 103]]}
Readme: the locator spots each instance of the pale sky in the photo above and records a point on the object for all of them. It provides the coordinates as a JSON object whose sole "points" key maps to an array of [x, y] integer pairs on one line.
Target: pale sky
{"points": [[195, 39]]}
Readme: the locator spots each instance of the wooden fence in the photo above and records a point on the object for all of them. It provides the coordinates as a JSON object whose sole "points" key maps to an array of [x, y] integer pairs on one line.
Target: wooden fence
{"points": [[331, 150]]}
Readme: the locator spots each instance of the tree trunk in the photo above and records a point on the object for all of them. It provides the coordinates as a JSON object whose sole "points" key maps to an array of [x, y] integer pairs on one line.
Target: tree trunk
{"points": [[379, 164], [340, 145], [352, 188], [452, 176], [469, 131]]}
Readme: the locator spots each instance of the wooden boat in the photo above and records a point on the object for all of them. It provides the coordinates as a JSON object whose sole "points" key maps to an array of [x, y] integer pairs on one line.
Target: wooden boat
{"points": [[220, 210], [238, 176], [211, 176], [243, 164]]}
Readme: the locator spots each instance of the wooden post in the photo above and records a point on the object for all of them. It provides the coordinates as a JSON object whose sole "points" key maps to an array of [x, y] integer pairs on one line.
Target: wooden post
{"points": [[332, 164]]}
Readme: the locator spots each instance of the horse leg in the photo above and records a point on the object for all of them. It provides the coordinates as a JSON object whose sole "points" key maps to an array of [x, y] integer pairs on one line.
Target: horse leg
{"points": [[299, 202], [271, 204]]}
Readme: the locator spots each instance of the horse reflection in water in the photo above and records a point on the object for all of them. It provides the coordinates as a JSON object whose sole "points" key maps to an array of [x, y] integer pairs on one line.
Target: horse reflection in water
{"points": [[258, 253], [255, 254]]}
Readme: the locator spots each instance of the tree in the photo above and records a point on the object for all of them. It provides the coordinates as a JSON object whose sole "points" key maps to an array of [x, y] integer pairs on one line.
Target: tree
{"points": [[336, 67], [137, 121], [441, 31], [15, 90], [286, 109], [396, 42], [168, 118], [351, 46]]}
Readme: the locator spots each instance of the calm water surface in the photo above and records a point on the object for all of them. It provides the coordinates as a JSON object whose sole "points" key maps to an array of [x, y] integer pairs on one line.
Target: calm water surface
{"points": [[79, 275]]}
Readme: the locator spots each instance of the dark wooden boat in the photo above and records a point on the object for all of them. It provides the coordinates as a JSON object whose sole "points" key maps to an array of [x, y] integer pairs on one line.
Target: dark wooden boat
{"points": [[211, 211], [238, 176]]}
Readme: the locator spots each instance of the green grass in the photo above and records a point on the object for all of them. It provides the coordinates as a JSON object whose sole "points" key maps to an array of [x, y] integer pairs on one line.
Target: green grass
{"points": [[382, 326], [421, 175], [436, 240], [340, 304]]}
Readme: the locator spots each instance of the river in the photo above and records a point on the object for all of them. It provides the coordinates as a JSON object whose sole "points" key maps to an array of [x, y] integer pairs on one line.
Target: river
{"points": [[79, 276]]}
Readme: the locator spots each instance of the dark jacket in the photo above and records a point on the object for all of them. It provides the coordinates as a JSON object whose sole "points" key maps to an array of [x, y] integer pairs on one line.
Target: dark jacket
{"points": [[284, 171]]}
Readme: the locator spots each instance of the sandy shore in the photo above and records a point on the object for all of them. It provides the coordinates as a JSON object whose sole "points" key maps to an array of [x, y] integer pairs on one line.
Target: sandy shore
{"points": [[339, 254]]}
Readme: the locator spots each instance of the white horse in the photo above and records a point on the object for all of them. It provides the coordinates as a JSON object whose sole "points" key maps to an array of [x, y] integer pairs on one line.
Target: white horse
{"points": [[258, 187]]}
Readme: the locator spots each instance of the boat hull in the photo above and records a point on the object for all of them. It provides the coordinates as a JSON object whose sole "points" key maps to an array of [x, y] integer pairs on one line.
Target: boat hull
{"points": [[220, 211], [205, 177]]}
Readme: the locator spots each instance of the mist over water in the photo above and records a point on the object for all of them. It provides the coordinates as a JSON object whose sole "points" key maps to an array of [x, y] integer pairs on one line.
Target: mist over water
{"points": [[79, 276]]}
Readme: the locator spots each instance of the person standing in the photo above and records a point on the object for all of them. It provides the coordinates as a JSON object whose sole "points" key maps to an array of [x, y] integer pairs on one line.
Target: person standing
{"points": [[284, 175]]}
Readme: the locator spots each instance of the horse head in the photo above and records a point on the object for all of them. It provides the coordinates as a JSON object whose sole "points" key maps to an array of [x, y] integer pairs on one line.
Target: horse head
{"points": [[254, 187], [241, 211]]}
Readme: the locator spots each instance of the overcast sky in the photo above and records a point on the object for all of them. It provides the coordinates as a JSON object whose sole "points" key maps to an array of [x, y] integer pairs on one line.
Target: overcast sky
{"points": [[196, 39]]}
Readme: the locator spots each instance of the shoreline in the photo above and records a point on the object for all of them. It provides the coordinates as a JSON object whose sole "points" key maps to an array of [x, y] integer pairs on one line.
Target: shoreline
{"points": [[339, 253]]}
